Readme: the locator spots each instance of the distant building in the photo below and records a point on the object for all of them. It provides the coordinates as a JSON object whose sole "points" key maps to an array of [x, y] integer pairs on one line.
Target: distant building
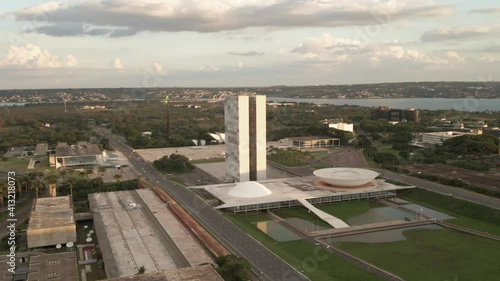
{"points": [[93, 107], [440, 137], [342, 126], [81, 154], [146, 134], [314, 142], [218, 137], [395, 115], [41, 149], [245, 128], [51, 222]]}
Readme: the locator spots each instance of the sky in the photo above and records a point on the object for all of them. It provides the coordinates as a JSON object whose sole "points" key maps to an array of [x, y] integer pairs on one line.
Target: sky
{"points": [[244, 43]]}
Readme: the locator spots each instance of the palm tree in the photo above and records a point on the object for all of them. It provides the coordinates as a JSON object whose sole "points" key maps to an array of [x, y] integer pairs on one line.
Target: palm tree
{"points": [[71, 182]]}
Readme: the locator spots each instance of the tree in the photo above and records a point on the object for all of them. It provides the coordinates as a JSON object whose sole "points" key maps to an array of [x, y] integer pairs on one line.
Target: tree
{"points": [[233, 268], [176, 163], [141, 270]]}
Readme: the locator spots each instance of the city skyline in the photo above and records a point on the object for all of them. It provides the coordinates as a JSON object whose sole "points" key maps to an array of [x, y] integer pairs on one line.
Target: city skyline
{"points": [[120, 43]]}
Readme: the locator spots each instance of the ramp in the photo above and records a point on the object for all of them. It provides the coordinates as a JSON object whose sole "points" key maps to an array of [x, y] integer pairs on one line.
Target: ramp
{"points": [[331, 220]]}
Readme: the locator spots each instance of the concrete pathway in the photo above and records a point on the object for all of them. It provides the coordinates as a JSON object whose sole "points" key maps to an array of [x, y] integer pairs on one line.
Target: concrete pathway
{"points": [[331, 220]]}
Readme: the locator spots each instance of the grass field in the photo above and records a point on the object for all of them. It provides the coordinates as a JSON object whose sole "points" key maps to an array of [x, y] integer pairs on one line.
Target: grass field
{"points": [[385, 147], [347, 210], [300, 213], [16, 163], [468, 214], [433, 255], [203, 161], [343, 211], [315, 262]]}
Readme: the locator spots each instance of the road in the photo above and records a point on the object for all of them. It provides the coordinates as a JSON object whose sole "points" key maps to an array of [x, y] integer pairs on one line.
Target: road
{"points": [[443, 189], [264, 262]]}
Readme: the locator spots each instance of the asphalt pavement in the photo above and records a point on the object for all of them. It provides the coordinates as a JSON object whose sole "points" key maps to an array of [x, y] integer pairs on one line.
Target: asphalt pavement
{"points": [[264, 262], [443, 189]]}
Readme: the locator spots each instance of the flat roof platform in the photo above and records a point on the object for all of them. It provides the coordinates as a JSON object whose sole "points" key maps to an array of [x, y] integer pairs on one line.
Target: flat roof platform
{"points": [[51, 212], [204, 272], [135, 229], [293, 189]]}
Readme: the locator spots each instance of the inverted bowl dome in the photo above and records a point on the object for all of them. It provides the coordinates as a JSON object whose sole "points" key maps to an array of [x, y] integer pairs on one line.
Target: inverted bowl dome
{"points": [[249, 189], [346, 176]]}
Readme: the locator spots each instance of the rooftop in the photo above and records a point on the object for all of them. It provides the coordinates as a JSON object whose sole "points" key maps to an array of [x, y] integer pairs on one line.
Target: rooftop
{"points": [[81, 149], [311, 138], [204, 272], [293, 189], [51, 212]]}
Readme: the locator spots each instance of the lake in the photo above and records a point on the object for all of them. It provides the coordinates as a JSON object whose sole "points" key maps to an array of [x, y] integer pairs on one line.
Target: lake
{"points": [[429, 104]]}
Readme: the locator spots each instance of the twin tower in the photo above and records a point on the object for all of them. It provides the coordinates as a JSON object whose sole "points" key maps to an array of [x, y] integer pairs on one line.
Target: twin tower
{"points": [[245, 128]]}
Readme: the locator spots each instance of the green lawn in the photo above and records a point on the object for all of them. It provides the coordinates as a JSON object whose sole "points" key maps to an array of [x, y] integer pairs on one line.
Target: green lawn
{"points": [[385, 147], [343, 211], [202, 161], [468, 214], [433, 255], [16, 163], [300, 213], [347, 210], [316, 263]]}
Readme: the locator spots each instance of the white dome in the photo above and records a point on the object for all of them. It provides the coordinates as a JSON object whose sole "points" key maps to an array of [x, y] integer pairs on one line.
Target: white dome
{"points": [[346, 176], [249, 189]]}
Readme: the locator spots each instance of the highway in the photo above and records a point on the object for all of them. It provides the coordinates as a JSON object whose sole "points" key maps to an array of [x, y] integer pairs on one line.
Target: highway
{"points": [[265, 263], [443, 189]]}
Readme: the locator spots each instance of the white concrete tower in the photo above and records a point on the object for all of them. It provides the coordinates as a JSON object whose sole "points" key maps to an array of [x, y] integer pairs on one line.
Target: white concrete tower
{"points": [[245, 128]]}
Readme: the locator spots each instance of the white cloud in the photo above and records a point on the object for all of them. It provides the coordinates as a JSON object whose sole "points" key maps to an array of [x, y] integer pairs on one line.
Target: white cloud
{"points": [[246, 53], [489, 58], [454, 57], [158, 67], [209, 68], [460, 33], [117, 64], [128, 17], [328, 50], [240, 64], [325, 46], [32, 56], [71, 61]]}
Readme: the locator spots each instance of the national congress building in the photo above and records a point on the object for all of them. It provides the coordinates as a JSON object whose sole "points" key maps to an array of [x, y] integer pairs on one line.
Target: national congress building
{"points": [[245, 127]]}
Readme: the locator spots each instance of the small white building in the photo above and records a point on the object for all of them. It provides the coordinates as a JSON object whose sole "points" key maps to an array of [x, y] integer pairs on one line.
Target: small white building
{"points": [[146, 134], [342, 126]]}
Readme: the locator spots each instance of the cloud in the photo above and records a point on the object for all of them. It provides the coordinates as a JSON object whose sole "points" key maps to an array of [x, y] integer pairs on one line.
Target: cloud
{"points": [[71, 61], [246, 53], [240, 64], [69, 29], [117, 18], [460, 33], [117, 64], [209, 68], [326, 51], [32, 56], [326, 45], [489, 58], [485, 11], [158, 68]]}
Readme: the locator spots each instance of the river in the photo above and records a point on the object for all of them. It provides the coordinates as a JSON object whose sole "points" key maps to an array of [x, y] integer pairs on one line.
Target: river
{"points": [[420, 103]]}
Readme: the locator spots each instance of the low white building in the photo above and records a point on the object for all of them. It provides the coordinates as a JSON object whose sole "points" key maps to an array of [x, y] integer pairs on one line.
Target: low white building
{"points": [[440, 137], [342, 126]]}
